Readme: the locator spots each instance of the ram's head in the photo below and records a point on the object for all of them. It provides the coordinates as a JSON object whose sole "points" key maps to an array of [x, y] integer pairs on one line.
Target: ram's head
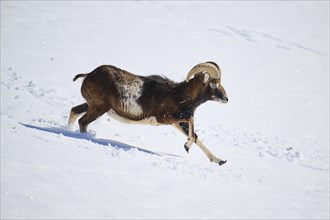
{"points": [[212, 80]]}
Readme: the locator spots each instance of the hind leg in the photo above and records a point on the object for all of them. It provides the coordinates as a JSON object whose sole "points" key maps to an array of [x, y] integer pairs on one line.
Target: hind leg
{"points": [[76, 112], [92, 114]]}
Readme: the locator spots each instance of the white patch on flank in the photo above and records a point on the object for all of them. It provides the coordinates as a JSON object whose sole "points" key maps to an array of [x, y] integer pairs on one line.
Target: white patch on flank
{"points": [[130, 91], [147, 121]]}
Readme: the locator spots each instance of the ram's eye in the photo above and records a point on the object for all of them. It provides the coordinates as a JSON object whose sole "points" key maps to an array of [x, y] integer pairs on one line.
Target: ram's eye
{"points": [[213, 85]]}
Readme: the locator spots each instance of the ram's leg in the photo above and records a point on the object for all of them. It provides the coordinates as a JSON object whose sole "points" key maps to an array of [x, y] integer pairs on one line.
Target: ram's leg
{"points": [[184, 128], [190, 134], [92, 114], [76, 112], [209, 154]]}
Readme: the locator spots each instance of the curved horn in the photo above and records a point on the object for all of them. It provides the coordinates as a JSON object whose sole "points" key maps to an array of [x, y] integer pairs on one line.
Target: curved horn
{"points": [[210, 67]]}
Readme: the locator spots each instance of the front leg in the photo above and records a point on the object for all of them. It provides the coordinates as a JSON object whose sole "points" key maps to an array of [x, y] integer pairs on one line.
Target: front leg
{"points": [[184, 128], [191, 135]]}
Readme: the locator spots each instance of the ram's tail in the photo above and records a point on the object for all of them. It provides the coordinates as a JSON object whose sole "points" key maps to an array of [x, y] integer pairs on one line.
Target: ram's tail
{"points": [[79, 75]]}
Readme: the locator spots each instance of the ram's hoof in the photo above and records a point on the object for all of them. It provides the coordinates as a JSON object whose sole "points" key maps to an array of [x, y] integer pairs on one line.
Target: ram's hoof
{"points": [[187, 148], [222, 162]]}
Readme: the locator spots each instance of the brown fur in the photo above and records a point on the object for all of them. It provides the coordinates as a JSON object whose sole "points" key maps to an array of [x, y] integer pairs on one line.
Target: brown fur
{"points": [[107, 87], [162, 98]]}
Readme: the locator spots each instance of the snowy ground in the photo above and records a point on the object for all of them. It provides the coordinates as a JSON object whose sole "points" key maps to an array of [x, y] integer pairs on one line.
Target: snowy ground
{"points": [[274, 131]]}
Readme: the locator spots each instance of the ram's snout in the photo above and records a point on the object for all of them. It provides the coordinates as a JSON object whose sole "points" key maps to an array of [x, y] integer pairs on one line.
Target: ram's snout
{"points": [[219, 93]]}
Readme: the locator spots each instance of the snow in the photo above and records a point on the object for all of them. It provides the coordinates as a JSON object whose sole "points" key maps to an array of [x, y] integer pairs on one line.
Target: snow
{"points": [[274, 132]]}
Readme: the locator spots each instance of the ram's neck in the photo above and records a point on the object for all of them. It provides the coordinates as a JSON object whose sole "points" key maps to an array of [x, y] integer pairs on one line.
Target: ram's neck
{"points": [[191, 94]]}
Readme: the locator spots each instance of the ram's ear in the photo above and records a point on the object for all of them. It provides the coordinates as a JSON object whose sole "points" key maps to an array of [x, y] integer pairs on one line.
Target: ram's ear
{"points": [[206, 78]]}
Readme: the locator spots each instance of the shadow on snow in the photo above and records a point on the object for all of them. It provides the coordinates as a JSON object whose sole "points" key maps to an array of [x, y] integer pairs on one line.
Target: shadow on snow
{"points": [[105, 142]]}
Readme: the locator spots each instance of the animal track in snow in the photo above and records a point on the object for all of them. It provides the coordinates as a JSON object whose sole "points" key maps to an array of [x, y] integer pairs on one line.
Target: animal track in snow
{"points": [[260, 37]]}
